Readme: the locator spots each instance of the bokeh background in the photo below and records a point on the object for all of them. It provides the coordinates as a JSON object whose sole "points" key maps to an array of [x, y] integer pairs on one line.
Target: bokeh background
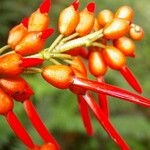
{"points": [[59, 109]]}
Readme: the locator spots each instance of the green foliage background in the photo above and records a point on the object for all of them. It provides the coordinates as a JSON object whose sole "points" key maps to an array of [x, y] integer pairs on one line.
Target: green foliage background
{"points": [[59, 109]]}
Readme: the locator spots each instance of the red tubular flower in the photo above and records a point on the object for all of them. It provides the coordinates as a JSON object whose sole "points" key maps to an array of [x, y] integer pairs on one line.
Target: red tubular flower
{"points": [[33, 42], [98, 68], [39, 20], [38, 124], [13, 64], [103, 101], [103, 120], [111, 90], [19, 129], [85, 115], [117, 60]]}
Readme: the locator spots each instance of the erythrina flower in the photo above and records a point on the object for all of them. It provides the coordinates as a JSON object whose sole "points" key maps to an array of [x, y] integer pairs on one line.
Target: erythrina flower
{"points": [[13, 64], [40, 20], [86, 23], [33, 42], [69, 19]]}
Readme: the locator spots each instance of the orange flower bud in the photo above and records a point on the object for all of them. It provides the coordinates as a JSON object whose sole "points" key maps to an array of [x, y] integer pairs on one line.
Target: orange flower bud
{"points": [[125, 12], [80, 71], [97, 65], [36, 147], [6, 103], [33, 42], [68, 20], [136, 33], [79, 66], [16, 87], [16, 34], [96, 26], [86, 22], [116, 29], [105, 16], [10, 64], [60, 76], [38, 21], [126, 45], [114, 58], [48, 146]]}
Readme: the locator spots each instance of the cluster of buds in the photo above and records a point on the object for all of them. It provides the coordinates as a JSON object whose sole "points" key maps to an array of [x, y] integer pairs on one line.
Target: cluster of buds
{"points": [[104, 41]]}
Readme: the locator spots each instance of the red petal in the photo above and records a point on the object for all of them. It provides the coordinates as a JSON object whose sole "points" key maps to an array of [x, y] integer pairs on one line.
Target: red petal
{"points": [[25, 22], [130, 78], [75, 4], [30, 62], [103, 99], [85, 115], [103, 120], [45, 6], [19, 129], [38, 124], [111, 90], [91, 7], [46, 33]]}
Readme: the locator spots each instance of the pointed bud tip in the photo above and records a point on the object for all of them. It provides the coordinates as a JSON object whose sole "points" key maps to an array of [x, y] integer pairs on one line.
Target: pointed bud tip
{"points": [[30, 62], [25, 22], [132, 55], [75, 4], [91, 7], [45, 6], [46, 33], [29, 92]]}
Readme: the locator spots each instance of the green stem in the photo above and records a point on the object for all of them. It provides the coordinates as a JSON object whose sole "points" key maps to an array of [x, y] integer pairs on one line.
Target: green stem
{"points": [[98, 45], [54, 61], [83, 41], [69, 38], [33, 70], [58, 39], [4, 48]]}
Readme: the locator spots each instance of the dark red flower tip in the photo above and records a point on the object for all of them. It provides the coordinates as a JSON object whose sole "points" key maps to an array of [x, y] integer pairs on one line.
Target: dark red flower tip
{"points": [[25, 22], [46, 33], [45, 6], [30, 62], [75, 4], [91, 7]]}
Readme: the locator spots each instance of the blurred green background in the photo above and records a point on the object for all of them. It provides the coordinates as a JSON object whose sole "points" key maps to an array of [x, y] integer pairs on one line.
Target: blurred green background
{"points": [[59, 109]]}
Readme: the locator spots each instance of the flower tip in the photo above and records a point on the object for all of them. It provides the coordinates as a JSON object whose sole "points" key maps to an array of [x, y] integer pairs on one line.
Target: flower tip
{"points": [[75, 4], [29, 92], [91, 7], [45, 6], [30, 62], [132, 55], [25, 22], [46, 33]]}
